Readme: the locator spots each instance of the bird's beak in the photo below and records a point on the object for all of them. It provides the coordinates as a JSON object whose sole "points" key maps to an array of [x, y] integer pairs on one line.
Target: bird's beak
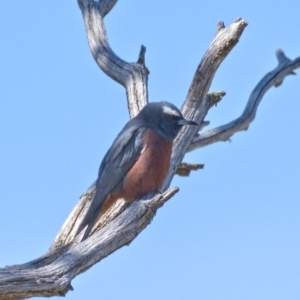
{"points": [[187, 122]]}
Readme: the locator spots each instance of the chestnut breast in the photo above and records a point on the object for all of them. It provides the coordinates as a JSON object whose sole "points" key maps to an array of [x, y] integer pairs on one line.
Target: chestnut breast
{"points": [[150, 170]]}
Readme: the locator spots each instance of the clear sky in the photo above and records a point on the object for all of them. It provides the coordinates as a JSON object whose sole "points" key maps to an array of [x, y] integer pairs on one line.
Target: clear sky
{"points": [[233, 231]]}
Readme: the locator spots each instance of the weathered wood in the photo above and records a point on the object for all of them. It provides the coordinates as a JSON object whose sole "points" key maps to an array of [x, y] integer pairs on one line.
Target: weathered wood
{"points": [[197, 104], [67, 257], [197, 94], [51, 274], [184, 169], [274, 78], [133, 76]]}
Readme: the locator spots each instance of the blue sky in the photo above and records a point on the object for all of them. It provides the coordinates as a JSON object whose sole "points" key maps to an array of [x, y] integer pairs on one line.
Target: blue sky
{"points": [[233, 230]]}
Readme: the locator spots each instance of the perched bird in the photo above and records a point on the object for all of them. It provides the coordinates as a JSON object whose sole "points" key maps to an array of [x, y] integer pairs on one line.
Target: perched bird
{"points": [[138, 160]]}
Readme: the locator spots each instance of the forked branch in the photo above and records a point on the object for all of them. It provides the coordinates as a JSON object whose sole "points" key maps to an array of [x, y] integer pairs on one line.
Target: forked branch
{"points": [[52, 274], [197, 100]]}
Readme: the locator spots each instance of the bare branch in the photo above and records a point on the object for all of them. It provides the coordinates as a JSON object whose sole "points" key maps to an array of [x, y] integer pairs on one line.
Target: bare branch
{"points": [[274, 78], [220, 26], [67, 257], [133, 76], [52, 274], [197, 103], [208, 66], [141, 59]]}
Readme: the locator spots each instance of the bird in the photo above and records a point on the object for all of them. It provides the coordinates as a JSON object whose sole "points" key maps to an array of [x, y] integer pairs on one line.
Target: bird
{"points": [[137, 162]]}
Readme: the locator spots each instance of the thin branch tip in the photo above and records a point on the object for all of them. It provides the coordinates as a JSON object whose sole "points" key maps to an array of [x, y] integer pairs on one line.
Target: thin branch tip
{"points": [[160, 199], [170, 193], [220, 26], [204, 124], [241, 24], [242, 21], [141, 59], [281, 57], [105, 6], [230, 36]]}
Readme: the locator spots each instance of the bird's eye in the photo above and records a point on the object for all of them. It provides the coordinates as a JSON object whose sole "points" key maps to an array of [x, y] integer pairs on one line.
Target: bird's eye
{"points": [[176, 118]]}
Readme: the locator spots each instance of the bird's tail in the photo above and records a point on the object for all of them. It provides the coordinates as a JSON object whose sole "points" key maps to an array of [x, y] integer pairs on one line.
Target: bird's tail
{"points": [[91, 216], [91, 223]]}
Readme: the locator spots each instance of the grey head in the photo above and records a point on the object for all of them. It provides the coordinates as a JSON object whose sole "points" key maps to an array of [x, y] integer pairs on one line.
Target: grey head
{"points": [[164, 118]]}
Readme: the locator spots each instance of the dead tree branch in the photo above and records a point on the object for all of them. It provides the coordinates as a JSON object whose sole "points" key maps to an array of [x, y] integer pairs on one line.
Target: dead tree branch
{"points": [[133, 76], [197, 104], [223, 42], [274, 78], [52, 273]]}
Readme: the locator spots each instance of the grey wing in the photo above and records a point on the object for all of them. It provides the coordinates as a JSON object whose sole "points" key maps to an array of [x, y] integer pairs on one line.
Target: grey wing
{"points": [[121, 156]]}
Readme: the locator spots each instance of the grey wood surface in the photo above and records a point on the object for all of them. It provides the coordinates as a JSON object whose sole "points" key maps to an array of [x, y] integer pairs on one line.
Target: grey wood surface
{"points": [[52, 273]]}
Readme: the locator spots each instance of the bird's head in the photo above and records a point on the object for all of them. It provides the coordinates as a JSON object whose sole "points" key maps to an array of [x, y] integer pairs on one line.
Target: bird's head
{"points": [[164, 118]]}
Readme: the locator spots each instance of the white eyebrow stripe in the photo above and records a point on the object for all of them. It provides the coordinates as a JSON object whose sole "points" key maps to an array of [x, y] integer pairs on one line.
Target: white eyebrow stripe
{"points": [[169, 111]]}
